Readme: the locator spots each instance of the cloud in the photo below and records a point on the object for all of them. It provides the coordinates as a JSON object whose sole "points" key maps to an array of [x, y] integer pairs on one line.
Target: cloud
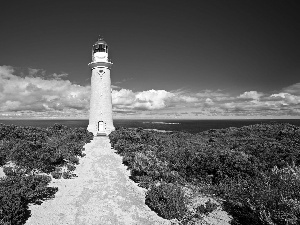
{"points": [[123, 98], [251, 95], [152, 99], [293, 89], [115, 87], [287, 98], [32, 93], [209, 102], [148, 100], [248, 104], [37, 94], [50, 95], [59, 76], [32, 72], [124, 80], [211, 93]]}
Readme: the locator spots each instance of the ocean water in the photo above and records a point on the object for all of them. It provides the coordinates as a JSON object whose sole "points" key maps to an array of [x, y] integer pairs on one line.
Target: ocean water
{"points": [[192, 126]]}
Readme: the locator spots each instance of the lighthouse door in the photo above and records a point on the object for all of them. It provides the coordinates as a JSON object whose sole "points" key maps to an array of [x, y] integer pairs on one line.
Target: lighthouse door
{"points": [[101, 127]]}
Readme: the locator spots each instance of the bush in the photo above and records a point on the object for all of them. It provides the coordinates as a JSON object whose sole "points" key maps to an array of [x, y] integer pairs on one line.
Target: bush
{"points": [[235, 163], [9, 171], [167, 201], [16, 192], [71, 167], [66, 175], [14, 171], [32, 151], [42, 150], [57, 173], [272, 198], [13, 210], [207, 208]]}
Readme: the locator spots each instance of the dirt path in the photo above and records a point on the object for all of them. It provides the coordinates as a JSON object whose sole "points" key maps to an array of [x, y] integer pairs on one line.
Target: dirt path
{"points": [[101, 194]]}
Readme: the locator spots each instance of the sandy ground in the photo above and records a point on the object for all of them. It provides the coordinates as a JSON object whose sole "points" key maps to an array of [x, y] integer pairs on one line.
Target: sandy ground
{"points": [[101, 194], [1, 172]]}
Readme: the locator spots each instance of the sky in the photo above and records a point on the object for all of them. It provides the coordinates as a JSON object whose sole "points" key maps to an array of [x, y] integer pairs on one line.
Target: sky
{"points": [[212, 59]]}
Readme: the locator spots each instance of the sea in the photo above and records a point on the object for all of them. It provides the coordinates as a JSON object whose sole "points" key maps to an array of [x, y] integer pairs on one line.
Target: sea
{"points": [[191, 126]]}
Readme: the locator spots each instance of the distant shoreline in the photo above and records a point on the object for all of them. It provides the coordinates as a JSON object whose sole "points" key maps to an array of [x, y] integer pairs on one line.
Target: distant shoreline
{"points": [[152, 119], [191, 126]]}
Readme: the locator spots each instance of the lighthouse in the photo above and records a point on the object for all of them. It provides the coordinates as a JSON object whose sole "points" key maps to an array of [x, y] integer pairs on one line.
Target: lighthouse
{"points": [[100, 120]]}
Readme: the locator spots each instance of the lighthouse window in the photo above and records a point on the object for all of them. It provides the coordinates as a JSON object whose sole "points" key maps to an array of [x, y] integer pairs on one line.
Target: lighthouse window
{"points": [[100, 48], [96, 48]]}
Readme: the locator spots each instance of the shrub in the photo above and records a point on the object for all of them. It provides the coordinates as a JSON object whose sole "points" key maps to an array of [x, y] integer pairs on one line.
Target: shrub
{"points": [[236, 163], [272, 198], [167, 200], [16, 192], [207, 208], [9, 171], [56, 174], [32, 151], [14, 170], [71, 167], [13, 210], [66, 175]]}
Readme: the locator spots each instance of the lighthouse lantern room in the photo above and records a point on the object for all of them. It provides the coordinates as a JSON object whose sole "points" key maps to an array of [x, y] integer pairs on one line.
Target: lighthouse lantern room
{"points": [[100, 119]]}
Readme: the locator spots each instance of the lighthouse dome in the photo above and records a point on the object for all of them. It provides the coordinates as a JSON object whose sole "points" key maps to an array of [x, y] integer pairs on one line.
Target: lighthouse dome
{"points": [[100, 51], [100, 42]]}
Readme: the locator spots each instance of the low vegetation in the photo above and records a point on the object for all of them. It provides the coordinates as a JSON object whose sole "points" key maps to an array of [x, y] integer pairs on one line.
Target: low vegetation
{"points": [[252, 171], [167, 200], [29, 155]]}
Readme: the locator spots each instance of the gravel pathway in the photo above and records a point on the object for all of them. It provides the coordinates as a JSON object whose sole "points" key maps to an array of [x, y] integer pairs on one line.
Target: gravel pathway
{"points": [[101, 194]]}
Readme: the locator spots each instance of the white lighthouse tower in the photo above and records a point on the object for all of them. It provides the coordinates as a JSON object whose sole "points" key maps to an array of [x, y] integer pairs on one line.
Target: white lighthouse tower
{"points": [[100, 121]]}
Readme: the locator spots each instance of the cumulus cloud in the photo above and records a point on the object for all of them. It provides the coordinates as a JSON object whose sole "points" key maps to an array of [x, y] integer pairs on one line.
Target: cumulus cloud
{"points": [[122, 97], [293, 89], [59, 76], [249, 104], [148, 100], [251, 95], [37, 94], [287, 98], [32, 93], [33, 72], [208, 101], [211, 93], [50, 95]]}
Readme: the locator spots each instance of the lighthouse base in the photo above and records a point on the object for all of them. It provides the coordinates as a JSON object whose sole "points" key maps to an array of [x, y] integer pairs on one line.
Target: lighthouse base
{"points": [[98, 132]]}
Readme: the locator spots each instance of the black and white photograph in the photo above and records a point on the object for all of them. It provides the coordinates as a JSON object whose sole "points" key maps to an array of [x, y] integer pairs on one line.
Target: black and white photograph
{"points": [[150, 112]]}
